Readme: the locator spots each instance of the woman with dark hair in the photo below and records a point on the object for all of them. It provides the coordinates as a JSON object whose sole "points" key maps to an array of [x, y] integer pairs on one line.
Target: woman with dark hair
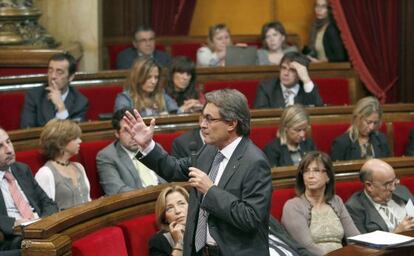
{"points": [[171, 215], [317, 218], [325, 44], [273, 38], [182, 85], [142, 90]]}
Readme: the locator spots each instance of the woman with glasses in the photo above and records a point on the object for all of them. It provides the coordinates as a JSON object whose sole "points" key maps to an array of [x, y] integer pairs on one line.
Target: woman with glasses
{"points": [[362, 140], [143, 90], [291, 142], [317, 218], [171, 215]]}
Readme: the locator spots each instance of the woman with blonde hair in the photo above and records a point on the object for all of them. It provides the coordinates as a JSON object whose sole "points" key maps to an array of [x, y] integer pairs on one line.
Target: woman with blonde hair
{"points": [[291, 143], [171, 216], [142, 90], [362, 140], [64, 181], [214, 53]]}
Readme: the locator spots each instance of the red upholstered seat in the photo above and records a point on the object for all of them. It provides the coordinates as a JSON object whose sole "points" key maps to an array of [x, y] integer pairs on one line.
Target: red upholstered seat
{"points": [[11, 105], [165, 139], [334, 91], [247, 87], [279, 198], [261, 136], [106, 241], [324, 134], [401, 131], [345, 189], [15, 71], [137, 232], [408, 182], [87, 156], [33, 158], [186, 49], [101, 99]]}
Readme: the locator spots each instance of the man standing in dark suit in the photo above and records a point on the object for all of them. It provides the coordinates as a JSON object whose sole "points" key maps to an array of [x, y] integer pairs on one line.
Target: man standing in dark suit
{"points": [[57, 99], [228, 211], [294, 85], [381, 205], [119, 171], [144, 45], [21, 198]]}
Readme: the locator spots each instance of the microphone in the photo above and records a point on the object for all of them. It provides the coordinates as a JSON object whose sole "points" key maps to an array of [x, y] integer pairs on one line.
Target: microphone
{"points": [[193, 151]]}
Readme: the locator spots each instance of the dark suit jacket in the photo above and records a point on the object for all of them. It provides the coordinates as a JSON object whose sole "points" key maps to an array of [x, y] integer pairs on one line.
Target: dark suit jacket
{"points": [[116, 170], [38, 109], [279, 155], [333, 45], [276, 229], [410, 145], [364, 214], [343, 148], [38, 199], [126, 58], [238, 207], [181, 144], [159, 245], [269, 95]]}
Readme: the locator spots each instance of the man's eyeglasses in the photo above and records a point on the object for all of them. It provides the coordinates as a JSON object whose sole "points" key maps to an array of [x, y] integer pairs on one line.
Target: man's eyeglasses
{"points": [[389, 184], [210, 119]]}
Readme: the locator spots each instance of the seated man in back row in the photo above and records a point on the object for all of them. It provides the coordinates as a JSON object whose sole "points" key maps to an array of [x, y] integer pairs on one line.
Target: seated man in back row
{"points": [[144, 45], [381, 205], [294, 85], [57, 99]]}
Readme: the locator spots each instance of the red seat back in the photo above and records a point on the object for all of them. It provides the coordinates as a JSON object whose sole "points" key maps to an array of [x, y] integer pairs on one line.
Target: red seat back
{"points": [[87, 156], [138, 232], [101, 99], [185, 49], [11, 106], [345, 189], [247, 87], [165, 139], [261, 136], [33, 158], [334, 91], [408, 181], [401, 132], [106, 241], [324, 134], [279, 198]]}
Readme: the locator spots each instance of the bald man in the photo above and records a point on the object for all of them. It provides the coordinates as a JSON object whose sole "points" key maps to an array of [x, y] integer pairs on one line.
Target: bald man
{"points": [[381, 205]]}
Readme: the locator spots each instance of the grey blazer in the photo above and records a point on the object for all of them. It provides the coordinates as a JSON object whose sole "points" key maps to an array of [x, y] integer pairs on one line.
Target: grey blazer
{"points": [[364, 214], [116, 170]]}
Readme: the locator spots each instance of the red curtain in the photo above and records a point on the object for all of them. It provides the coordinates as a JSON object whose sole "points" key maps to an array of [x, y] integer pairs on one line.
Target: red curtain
{"points": [[172, 17], [369, 29]]}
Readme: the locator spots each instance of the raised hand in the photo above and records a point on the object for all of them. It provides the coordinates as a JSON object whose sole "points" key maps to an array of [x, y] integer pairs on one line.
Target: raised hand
{"points": [[139, 131], [55, 96], [177, 231], [302, 71]]}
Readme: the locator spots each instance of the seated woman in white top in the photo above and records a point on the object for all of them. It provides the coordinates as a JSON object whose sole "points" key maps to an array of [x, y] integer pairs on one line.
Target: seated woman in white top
{"points": [[273, 38], [64, 181], [215, 52]]}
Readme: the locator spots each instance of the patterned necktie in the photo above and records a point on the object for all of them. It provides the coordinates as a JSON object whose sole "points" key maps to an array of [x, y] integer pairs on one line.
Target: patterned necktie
{"points": [[390, 216], [21, 204], [201, 231], [286, 95], [144, 173]]}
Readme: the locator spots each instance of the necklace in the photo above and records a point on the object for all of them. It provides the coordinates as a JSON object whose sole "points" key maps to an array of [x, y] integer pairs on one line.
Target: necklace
{"points": [[62, 163]]}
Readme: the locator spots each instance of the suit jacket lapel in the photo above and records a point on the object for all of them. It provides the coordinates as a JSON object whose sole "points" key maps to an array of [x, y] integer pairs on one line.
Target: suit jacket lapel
{"points": [[277, 100], [128, 164], [372, 214], [23, 186]]}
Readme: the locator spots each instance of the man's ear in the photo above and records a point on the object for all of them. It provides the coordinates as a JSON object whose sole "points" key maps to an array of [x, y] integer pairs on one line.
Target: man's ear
{"points": [[232, 125], [116, 133]]}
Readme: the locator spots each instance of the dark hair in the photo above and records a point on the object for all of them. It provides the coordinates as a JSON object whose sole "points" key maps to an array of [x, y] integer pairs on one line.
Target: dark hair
{"points": [[118, 115], [295, 56], [327, 163], [276, 25], [65, 56], [182, 64], [232, 105], [143, 28]]}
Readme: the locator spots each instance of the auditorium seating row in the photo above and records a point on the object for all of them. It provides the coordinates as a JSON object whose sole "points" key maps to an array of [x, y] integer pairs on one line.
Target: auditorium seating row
{"points": [[122, 224], [185, 45], [334, 91]]}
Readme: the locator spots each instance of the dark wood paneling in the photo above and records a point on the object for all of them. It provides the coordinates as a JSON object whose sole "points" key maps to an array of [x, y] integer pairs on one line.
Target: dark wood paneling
{"points": [[406, 69]]}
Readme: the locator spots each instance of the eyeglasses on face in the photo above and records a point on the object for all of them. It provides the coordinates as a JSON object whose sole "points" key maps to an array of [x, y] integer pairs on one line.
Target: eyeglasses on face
{"points": [[209, 119], [389, 184]]}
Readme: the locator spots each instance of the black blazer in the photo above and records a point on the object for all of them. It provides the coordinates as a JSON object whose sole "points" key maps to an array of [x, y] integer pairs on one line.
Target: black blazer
{"points": [[159, 245], [238, 206], [279, 155], [410, 145], [333, 45], [269, 95], [38, 109], [181, 144], [38, 199], [343, 148], [127, 57], [364, 214]]}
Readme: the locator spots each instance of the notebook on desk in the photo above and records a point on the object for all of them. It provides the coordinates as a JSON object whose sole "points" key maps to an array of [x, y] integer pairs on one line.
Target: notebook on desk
{"points": [[241, 56]]}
